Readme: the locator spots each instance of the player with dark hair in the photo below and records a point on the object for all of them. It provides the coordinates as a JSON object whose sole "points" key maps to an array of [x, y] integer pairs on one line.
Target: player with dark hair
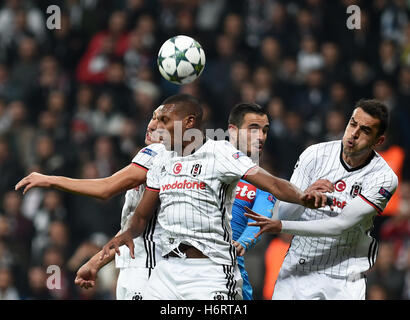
{"points": [[248, 122], [331, 250]]}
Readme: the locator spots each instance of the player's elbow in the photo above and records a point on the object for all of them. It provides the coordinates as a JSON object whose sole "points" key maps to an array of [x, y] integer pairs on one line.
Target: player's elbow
{"points": [[105, 193]]}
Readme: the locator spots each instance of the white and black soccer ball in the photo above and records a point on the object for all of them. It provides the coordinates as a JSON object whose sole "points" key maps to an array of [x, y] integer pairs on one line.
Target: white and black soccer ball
{"points": [[181, 59]]}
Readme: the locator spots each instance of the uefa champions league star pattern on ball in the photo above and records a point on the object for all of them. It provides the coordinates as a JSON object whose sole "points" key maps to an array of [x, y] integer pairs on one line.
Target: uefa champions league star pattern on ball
{"points": [[181, 59]]}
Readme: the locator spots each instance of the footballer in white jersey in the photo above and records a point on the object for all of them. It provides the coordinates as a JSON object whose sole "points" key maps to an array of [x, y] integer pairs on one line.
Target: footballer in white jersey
{"points": [[146, 253], [135, 272], [332, 248], [354, 251], [196, 192]]}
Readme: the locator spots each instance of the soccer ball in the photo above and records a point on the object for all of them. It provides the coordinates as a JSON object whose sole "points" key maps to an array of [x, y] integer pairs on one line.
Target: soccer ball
{"points": [[181, 59]]}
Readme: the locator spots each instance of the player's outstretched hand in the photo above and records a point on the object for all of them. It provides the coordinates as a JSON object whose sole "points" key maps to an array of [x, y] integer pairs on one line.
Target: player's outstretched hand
{"points": [[86, 276], [116, 242], [240, 250], [321, 185], [264, 223], [34, 179], [314, 199]]}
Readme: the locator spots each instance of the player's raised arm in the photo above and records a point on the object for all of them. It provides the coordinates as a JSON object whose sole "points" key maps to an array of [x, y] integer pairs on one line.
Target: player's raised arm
{"points": [[104, 188], [366, 205], [352, 214], [285, 190], [143, 213], [233, 164]]}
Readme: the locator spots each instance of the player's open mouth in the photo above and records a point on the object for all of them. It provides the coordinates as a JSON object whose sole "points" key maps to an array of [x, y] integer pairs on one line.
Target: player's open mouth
{"points": [[350, 143]]}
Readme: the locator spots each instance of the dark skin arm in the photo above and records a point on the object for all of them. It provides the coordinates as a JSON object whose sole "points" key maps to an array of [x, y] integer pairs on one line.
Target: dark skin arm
{"points": [[284, 190], [143, 213]]}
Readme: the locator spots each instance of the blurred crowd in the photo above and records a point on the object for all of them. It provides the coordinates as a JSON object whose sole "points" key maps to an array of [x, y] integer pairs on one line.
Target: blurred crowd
{"points": [[75, 101]]}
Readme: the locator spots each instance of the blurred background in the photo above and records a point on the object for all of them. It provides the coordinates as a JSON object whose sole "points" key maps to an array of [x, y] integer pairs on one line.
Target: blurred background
{"points": [[75, 101]]}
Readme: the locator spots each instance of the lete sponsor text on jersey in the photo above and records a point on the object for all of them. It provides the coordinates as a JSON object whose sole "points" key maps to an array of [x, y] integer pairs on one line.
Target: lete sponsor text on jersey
{"points": [[245, 191]]}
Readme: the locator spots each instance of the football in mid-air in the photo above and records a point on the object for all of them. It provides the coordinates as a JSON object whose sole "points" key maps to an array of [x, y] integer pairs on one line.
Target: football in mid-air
{"points": [[181, 59]]}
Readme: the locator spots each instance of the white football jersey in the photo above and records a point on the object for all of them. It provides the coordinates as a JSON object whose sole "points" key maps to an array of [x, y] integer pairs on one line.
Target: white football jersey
{"points": [[355, 250], [147, 246], [197, 192]]}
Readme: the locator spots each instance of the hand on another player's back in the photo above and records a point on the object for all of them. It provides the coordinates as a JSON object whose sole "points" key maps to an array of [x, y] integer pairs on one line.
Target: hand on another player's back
{"points": [[116, 242]]}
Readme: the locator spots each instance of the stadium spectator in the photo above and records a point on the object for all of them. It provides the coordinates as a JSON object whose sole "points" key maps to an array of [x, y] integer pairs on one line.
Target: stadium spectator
{"points": [[7, 289], [112, 42], [37, 284]]}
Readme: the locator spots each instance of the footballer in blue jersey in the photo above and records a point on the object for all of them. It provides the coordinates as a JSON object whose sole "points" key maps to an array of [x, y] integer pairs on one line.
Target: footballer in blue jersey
{"points": [[259, 201], [248, 122]]}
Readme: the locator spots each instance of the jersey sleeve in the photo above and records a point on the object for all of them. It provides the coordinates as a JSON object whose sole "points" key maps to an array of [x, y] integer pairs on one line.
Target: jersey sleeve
{"points": [[378, 190], [263, 204], [230, 162], [145, 156]]}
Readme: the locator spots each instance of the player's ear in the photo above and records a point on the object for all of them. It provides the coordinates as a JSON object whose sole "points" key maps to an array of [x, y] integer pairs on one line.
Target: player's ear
{"points": [[233, 131], [190, 121], [380, 140]]}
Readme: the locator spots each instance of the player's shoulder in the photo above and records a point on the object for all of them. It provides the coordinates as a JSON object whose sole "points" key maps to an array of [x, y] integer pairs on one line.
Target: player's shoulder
{"points": [[322, 148], [381, 168], [148, 153], [219, 143], [220, 147], [326, 146], [154, 148]]}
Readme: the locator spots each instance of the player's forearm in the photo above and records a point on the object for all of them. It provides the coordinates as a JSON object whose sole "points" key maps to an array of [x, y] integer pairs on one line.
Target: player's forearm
{"points": [[98, 188], [285, 191], [288, 211], [97, 263], [137, 225], [315, 228], [280, 188]]}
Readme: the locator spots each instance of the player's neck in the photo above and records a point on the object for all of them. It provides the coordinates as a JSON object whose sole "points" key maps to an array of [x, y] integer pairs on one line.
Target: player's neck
{"points": [[189, 147], [354, 161]]}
